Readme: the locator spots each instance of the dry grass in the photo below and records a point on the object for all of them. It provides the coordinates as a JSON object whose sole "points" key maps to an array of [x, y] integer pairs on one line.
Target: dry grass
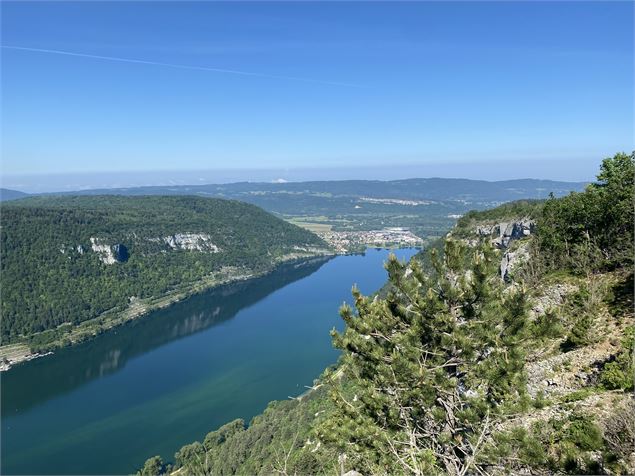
{"points": [[311, 226], [14, 352]]}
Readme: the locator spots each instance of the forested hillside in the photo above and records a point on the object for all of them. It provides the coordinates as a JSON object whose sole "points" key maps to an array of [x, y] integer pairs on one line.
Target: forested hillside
{"points": [[510, 350], [426, 206], [7, 194], [66, 260]]}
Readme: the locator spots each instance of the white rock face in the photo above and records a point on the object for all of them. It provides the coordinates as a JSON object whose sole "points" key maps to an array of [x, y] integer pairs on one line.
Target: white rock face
{"points": [[511, 260], [503, 233], [192, 242], [105, 251]]}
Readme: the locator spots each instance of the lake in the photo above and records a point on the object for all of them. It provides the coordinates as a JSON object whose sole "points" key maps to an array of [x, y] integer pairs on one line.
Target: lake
{"points": [[155, 384]]}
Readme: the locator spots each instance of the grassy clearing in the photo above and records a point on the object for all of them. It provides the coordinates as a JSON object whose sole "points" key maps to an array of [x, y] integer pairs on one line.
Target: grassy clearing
{"points": [[311, 226]]}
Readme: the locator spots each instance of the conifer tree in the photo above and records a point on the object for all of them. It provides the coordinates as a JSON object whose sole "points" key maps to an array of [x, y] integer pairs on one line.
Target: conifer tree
{"points": [[428, 369]]}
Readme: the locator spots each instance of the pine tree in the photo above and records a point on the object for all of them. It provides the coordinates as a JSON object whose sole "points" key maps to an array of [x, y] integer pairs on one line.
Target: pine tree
{"points": [[428, 369]]}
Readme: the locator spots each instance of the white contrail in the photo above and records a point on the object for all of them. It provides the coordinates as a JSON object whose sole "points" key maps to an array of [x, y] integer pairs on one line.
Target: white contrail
{"points": [[180, 66]]}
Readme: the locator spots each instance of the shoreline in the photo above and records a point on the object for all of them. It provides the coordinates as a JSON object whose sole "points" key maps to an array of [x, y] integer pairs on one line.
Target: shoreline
{"points": [[18, 353], [5, 366]]}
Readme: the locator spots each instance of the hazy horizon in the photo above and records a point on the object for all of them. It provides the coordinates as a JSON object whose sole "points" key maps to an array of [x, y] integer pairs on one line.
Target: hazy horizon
{"points": [[323, 90], [584, 171]]}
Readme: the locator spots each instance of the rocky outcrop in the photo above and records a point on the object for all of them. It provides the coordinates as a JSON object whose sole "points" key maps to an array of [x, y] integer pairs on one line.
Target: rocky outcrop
{"points": [[568, 372], [511, 260], [105, 253], [192, 242], [551, 298], [119, 253], [108, 254], [503, 233]]}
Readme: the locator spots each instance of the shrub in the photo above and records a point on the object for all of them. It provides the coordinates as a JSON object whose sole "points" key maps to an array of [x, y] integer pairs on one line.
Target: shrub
{"points": [[579, 394], [218, 437], [579, 335], [613, 377], [153, 467], [547, 325], [585, 434], [583, 307], [619, 373], [191, 456]]}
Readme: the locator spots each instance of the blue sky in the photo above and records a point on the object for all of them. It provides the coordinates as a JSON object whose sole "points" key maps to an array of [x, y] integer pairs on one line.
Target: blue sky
{"points": [[417, 86]]}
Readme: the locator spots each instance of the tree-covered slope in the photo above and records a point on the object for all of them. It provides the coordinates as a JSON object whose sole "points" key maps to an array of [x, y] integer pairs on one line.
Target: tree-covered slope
{"points": [[70, 259], [7, 194], [426, 206], [455, 370]]}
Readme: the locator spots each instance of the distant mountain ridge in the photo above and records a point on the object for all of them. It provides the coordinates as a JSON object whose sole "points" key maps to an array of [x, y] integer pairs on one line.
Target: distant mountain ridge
{"points": [[414, 188], [7, 194], [427, 207]]}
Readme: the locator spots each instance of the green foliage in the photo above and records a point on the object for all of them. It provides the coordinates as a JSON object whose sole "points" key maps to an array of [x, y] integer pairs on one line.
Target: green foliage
{"points": [[594, 229], [430, 365], [278, 440], [540, 401], [583, 433], [580, 334], [547, 325], [554, 446], [517, 447], [620, 373], [192, 458], [614, 376], [582, 308], [619, 297], [153, 467], [514, 210], [218, 437], [581, 394], [50, 276]]}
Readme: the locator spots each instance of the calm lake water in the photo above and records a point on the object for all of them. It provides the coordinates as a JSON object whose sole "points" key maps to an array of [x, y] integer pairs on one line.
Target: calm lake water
{"points": [[150, 387]]}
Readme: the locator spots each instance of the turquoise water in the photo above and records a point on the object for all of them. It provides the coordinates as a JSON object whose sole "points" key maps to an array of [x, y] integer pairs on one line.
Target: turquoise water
{"points": [[150, 387]]}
